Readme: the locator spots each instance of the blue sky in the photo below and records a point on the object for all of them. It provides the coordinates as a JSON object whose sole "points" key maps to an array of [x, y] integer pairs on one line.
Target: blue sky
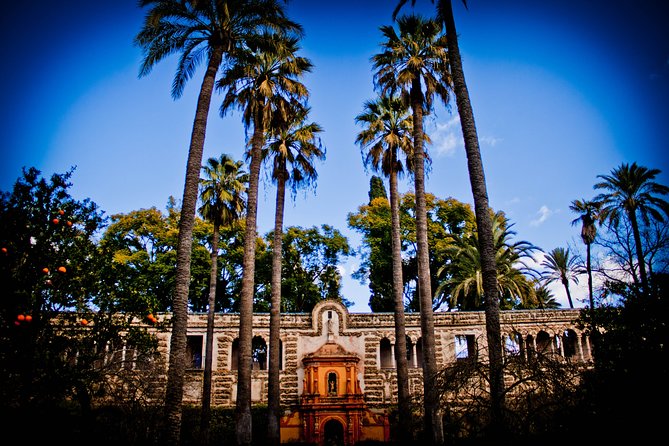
{"points": [[562, 91]]}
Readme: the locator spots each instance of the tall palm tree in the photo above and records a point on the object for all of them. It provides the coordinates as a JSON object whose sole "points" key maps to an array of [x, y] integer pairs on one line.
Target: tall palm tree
{"points": [[262, 82], [387, 135], [559, 266], [292, 149], [630, 189], [512, 259], [222, 195], [484, 221], [414, 64], [589, 214], [198, 30]]}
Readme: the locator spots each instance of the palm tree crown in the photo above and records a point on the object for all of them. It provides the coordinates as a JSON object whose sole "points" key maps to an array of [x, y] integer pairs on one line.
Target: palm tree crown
{"points": [[417, 53], [464, 277], [631, 189], [561, 267], [387, 133], [222, 190], [292, 149], [197, 29]]}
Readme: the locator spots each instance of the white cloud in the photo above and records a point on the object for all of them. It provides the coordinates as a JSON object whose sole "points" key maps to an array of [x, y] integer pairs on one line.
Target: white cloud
{"points": [[447, 137], [542, 215], [489, 140]]}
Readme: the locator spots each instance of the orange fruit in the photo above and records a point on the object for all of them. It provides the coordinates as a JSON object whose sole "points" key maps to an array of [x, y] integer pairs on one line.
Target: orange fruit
{"points": [[55, 221], [84, 322], [62, 269], [28, 318], [45, 270], [21, 317]]}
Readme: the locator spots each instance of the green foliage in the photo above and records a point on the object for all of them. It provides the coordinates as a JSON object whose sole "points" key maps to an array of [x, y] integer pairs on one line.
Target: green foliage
{"points": [[142, 245], [631, 365], [376, 189], [51, 267], [310, 268], [446, 219]]}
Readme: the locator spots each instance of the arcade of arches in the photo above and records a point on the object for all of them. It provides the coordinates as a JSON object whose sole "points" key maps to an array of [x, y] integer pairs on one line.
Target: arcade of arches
{"points": [[338, 378]]}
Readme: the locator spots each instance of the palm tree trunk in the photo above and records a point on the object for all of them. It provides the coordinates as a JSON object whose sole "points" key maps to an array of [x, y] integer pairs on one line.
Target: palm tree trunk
{"points": [[177, 359], [273, 386], [403, 397], [205, 416], [433, 423], [566, 288], [243, 428], [588, 266], [639, 253], [483, 219]]}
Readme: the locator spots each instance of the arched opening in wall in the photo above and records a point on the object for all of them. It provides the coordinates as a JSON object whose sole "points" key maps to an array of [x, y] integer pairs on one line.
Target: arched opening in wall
{"points": [[333, 433], [259, 353], [385, 354], [512, 344], [585, 347], [529, 344], [569, 341], [419, 353], [280, 354], [409, 352], [234, 355], [543, 343], [465, 347]]}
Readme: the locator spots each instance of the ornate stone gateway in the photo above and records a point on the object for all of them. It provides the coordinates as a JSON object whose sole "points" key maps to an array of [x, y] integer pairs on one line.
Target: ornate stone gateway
{"points": [[332, 408]]}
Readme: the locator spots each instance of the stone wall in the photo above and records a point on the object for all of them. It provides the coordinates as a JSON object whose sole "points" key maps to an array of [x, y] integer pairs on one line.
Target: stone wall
{"points": [[362, 334]]}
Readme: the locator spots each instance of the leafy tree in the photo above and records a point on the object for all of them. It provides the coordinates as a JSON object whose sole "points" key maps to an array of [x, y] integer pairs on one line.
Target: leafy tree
{"points": [[264, 83], [376, 188], [222, 196], [413, 64], [310, 271], [631, 188], [387, 134], [559, 266], [589, 214], [447, 218], [291, 149], [143, 245], [55, 276]]}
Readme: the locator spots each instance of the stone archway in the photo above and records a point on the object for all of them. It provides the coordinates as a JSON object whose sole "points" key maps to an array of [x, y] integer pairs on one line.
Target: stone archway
{"points": [[333, 433]]}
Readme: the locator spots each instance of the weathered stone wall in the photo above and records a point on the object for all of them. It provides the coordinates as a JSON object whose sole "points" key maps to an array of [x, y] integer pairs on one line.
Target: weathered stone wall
{"points": [[359, 333]]}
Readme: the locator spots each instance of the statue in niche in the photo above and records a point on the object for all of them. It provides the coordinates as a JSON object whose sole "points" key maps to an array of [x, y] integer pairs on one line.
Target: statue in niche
{"points": [[332, 383]]}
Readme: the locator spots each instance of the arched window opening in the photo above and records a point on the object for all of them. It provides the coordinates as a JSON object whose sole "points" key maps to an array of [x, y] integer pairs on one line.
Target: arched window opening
{"points": [[409, 351], [569, 340], [465, 347], [529, 343], [419, 353], [512, 344], [386, 355], [234, 355], [543, 343], [259, 353]]}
